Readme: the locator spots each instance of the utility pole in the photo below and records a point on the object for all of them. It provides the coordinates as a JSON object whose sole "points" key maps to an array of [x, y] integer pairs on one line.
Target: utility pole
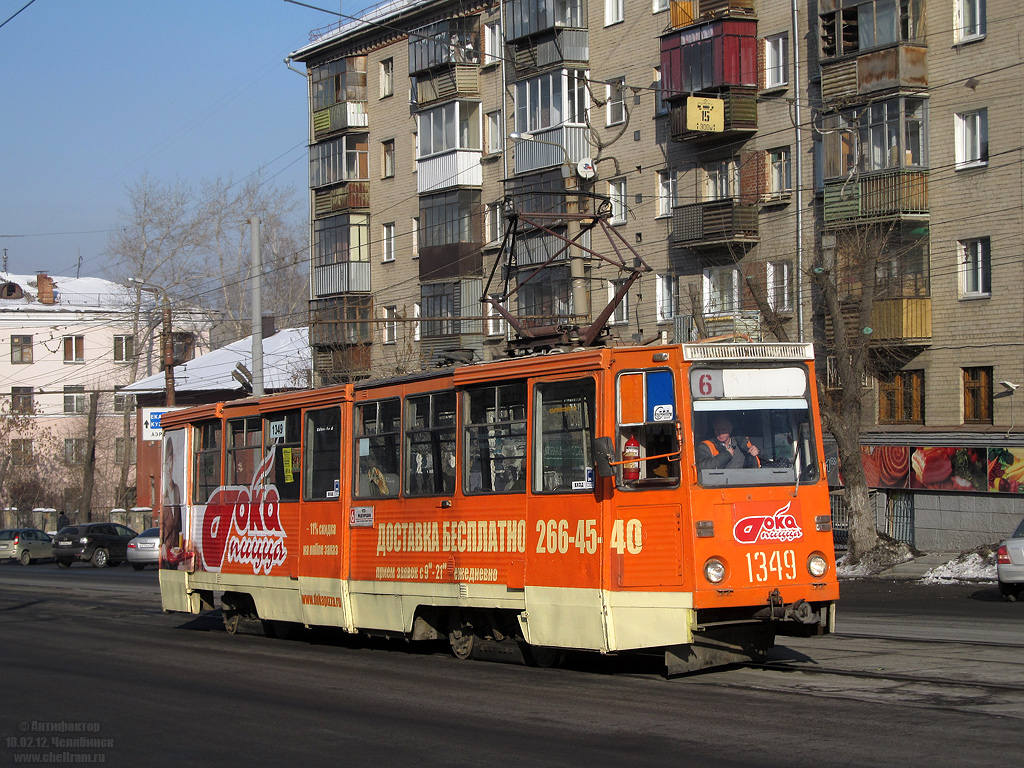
{"points": [[257, 307], [89, 471], [168, 351]]}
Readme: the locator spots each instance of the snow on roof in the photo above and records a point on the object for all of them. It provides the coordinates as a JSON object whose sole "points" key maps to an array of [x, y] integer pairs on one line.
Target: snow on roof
{"points": [[69, 292], [286, 360]]}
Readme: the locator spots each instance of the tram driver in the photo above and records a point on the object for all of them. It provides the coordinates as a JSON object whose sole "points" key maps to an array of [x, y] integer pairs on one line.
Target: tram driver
{"points": [[723, 450]]}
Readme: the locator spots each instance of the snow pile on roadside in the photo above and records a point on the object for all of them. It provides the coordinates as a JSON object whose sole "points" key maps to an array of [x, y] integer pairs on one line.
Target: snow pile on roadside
{"points": [[885, 554], [974, 565]]}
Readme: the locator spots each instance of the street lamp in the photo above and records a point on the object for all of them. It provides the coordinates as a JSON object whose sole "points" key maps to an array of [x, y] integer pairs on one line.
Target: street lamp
{"points": [[1010, 388], [168, 341]]}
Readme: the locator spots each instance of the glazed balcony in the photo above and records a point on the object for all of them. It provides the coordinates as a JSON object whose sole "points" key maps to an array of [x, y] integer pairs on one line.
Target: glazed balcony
{"points": [[455, 168], [682, 13], [445, 43], [458, 81], [350, 195], [906, 321], [564, 145], [560, 47], [880, 196], [350, 277], [715, 223], [709, 57], [534, 18], [740, 116], [900, 67], [340, 320]]}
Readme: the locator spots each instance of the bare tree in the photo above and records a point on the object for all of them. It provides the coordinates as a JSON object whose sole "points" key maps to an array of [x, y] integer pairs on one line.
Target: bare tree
{"points": [[867, 266]]}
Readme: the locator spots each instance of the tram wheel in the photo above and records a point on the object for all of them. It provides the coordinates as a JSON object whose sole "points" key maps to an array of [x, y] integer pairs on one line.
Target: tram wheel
{"points": [[231, 622], [462, 641], [542, 656]]}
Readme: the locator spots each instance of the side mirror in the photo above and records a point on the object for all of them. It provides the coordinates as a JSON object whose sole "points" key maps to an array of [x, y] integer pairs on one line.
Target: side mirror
{"points": [[604, 454]]}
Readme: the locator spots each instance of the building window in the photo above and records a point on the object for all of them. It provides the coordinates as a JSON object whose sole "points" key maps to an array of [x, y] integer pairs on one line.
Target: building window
{"points": [[21, 350], [338, 81], [614, 12], [971, 134], [493, 229], [666, 297], [124, 349], [721, 180], [492, 43], [721, 290], [495, 134], [74, 349], [495, 322], [975, 268], [968, 20], [415, 237], [455, 125], [387, 77], [119, 454], [74, 450], [890, 134], [438, 300], [21, 452], [659, 5], [617, 195], [620, 315], [660, 105], [387, 241], [615, 93], [74, 398], [387, 159], [901, 397], [341, 159], [779, 179], [551, 99], [416, 312], [977, 395], [863, 24], [390, 325], [780, 286], [123, 402], [776, 60], [21, 400], [450, 217], [341, 240], [666, 192]]}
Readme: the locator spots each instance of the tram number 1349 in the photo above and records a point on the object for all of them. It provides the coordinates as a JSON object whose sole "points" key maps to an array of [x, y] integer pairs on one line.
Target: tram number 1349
{"points": [[765, 566], [553, 537]]}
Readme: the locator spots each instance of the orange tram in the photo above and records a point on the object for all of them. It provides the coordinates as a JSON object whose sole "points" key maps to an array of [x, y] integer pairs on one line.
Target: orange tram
{"points": [[517, 508]]}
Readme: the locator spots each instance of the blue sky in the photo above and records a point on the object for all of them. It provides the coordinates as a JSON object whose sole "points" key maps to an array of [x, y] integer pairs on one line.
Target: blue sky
{"points": [[95, 93]]}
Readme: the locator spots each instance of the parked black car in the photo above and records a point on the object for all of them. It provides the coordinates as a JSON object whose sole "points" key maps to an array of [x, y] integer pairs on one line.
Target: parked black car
{"points": [[102, 544]]}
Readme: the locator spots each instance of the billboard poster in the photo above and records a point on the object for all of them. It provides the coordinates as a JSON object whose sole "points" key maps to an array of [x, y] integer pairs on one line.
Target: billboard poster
{"points": [[970, 469]]}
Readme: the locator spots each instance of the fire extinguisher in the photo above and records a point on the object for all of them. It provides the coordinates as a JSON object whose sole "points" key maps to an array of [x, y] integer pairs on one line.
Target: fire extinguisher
{"points": [[631, 455]]}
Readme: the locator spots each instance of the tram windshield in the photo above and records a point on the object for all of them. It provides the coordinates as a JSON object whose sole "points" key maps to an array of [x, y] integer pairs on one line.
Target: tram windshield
{"points": [[754, 442]]}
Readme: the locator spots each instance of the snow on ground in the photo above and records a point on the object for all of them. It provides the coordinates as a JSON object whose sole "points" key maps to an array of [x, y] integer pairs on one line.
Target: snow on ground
{"points": [[887, 553], [975, 565]]}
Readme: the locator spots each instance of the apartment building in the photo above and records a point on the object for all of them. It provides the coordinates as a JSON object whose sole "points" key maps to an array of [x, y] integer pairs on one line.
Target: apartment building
{"points": [[65, 339], [698, 160]]}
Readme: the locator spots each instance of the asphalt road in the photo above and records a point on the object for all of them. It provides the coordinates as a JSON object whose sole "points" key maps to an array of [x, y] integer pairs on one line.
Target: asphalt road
{"points": [[91, 653]]}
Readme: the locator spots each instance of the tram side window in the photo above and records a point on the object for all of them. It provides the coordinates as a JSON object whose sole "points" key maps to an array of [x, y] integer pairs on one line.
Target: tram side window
{"points": [[647, 421], [564, 427], [282, 433], [494, 449], [430, 444], [243, 451], [321, 455], [376, 452], [207, 461]]}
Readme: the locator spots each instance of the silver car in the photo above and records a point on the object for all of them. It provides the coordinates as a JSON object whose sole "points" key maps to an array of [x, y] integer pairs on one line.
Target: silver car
{"points": [[1010, 564], [144, 549], [25, 545]]}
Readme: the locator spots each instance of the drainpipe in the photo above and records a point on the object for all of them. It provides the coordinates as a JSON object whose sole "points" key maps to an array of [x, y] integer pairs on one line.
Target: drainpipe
{"points": [[799, 171]]}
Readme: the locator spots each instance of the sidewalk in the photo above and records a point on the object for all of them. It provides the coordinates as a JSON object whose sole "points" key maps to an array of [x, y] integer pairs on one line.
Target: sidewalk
{"points": [[918, 567]]}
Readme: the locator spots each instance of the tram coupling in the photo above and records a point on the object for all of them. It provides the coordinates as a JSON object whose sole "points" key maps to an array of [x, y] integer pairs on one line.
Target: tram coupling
{"points": [[799, 611]]}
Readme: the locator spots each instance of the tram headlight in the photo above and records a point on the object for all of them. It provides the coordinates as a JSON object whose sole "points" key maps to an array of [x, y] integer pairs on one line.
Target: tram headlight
{"points": [[714, 570], [817, 565]]}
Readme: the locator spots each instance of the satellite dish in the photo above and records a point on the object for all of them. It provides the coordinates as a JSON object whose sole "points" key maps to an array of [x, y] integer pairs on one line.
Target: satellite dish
{"points": [[585, 169]]}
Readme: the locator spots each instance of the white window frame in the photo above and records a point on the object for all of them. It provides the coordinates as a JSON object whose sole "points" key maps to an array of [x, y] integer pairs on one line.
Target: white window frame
{"points": [[617, 195], [614, 12], [451, 126], [665, 297], [388, 158], [390, 324], [495, 323], [716, 302], [667, 192], [620, 315], [660, 105], [551, 99], [495, 132], [74, 398], [387, 241], [72, 344], [780, 281], [780, 172], [615, 101], [975, 268], [971, 136], [415, 237], [492, 43], [493, 229], [965, 31], [416, 312], [657, 6], [124, 347], [721, 180], [776, 61], [387, 78]]}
